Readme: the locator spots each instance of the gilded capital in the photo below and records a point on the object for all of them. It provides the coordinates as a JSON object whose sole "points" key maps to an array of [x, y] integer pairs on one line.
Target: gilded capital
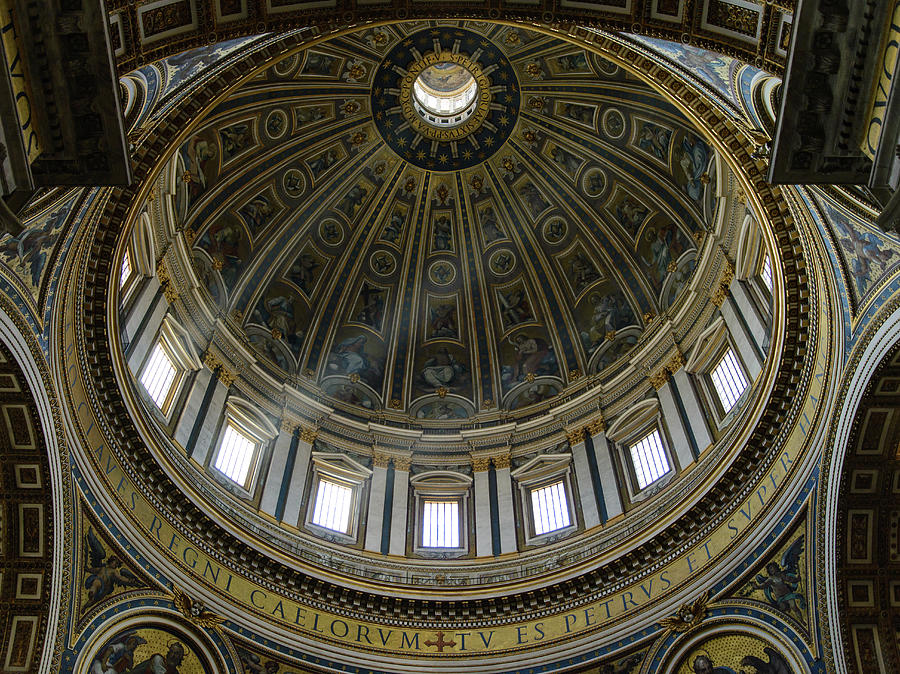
{"points": [[597, 426], [501, 461], [381, 460], [676, 362], [719, 295], [402, 463], [211, 361], [170, 292], [225, 376], [162, 273], [481, 463], [659, 378], [308, 434], [575, 436], [288, 425]]}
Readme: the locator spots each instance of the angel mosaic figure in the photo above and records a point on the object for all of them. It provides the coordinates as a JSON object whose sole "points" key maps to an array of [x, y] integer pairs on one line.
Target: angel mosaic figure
{"points": [[781, 582], [105, 572]]}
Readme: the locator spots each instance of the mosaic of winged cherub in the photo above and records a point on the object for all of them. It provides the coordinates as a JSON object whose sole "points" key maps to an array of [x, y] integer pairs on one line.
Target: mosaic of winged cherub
{"points": [[781, 582], [104, 572]]}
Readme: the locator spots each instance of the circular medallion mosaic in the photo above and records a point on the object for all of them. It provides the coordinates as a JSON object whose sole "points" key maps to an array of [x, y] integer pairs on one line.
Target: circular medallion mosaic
{"points": [[445, 99]]}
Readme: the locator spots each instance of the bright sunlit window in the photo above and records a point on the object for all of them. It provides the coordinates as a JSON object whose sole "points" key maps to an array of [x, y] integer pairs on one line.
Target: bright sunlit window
{"points": [[125, 272], [551, 512], [729, 379], [649, 459], [158, 377], [332, 510], [766, 273], [440, 524], [235, 455]]}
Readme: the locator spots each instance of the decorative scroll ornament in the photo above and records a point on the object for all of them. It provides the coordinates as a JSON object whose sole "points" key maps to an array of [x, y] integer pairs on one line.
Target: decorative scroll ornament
{"points": [[195, 611], [688, 616]]}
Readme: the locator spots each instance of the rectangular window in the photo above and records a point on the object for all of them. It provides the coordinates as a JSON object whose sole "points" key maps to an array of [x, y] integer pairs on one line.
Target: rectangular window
{"points": [[159, 376], [440, 524], [551, 512], [125, 272], [766, 273], [729, 379], [332, 509], [235, 454], [649, 459]]}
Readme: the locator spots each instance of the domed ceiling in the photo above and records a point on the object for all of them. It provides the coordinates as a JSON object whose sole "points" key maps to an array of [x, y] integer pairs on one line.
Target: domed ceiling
{"points": [[442, 270]]}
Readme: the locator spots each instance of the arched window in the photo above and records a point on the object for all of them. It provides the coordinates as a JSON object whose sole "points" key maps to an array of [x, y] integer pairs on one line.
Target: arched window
{"points": [[441, 507], [644, 448], [717, 367], [166, 367], [545, 497], [335, 496], [243, 436]]}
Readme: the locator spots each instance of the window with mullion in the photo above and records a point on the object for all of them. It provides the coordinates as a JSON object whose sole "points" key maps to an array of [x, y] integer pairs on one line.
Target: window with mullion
{"points": [[648, 459]]}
